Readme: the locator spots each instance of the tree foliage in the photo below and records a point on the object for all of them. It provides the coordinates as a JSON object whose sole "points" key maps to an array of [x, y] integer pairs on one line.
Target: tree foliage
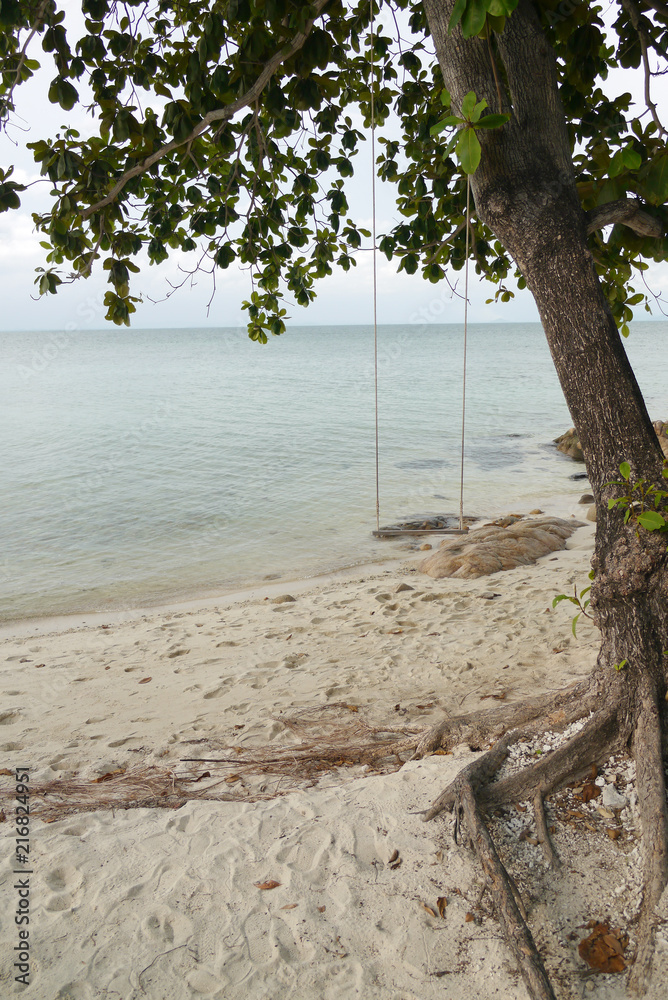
{"points": [[228, 129]]}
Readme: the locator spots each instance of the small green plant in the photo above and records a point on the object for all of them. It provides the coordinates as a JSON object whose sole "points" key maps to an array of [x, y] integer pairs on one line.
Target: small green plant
{"points": [[620, 666], [643, 503], [580, 600], [465, 142]]}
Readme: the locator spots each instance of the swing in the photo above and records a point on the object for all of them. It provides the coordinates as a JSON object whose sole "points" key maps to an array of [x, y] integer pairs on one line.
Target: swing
{"points": [[424, 525]]}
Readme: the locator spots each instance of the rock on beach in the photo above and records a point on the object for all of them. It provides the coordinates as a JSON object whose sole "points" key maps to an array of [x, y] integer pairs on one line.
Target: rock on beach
{"points": [[494, 547]]}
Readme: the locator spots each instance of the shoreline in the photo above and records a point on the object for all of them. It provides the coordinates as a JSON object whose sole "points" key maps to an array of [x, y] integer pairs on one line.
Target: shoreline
{"points": [[559, 505]]}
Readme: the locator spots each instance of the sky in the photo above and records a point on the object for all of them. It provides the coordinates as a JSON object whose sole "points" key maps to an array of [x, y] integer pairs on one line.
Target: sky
{"points": [[344, 298]]}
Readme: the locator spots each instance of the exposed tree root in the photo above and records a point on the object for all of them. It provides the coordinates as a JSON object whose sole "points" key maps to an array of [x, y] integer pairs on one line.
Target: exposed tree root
{"points": [[517, 934], [555, 710], [627, 715], [544, 838]]}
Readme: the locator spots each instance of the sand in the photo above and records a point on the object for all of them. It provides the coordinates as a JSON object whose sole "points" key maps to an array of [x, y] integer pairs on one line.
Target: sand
{"points": [[163, 903]]}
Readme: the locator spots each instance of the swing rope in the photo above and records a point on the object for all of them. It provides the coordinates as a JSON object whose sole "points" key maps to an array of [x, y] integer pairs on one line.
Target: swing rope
{"points": [[375, 307], [375, 271]]}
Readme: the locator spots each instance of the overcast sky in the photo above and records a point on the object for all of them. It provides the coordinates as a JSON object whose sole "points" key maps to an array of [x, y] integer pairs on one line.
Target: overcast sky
{"points": [[342, 299]]}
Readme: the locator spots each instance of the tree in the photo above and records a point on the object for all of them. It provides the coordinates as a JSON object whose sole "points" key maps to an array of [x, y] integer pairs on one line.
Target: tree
{"points": [[244, 156]]}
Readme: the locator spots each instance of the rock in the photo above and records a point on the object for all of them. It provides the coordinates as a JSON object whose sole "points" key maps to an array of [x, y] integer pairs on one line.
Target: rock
{"points": [[493, 548], [403, 586], [613, 799], [425, 547], [591, 513], [660, 426], [569, 444], [579, 475], [283, 599], [586, 498], [536, 511]]}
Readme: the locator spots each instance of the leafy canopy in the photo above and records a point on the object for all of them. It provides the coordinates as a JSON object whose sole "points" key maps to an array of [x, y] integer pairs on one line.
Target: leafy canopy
{"points": [[228, 128]]}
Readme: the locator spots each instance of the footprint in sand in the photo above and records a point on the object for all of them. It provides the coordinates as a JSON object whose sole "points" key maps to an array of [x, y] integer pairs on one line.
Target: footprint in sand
{"points": [[9, 718], [165, 926], [64, 881], [77, 990]]}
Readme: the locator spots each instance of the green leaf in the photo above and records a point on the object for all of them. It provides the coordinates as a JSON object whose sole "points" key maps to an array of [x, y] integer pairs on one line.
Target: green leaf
{"points": [[655, 186], [652, 520], [478, 110], [468, 104], [563, 597], [454, 139], [445, 98], [573, 625], [625, 470], [445, 123], [632, 160], [501, 8], [456, 16], [468, 151], [493, 121], [473, 18], [63, 93]]}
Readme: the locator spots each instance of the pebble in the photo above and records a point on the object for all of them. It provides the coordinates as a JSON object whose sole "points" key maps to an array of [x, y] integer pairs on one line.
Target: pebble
{"points": [[283, 599], [612, 798]]}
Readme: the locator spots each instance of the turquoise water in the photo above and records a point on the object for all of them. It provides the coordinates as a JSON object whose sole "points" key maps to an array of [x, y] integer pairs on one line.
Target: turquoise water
{"points": [[146, 465]]}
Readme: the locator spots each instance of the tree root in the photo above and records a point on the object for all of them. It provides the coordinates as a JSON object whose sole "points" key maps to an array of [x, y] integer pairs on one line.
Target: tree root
{"points": [[515, 930], [544, 838], [627, 715], [555, 710]]}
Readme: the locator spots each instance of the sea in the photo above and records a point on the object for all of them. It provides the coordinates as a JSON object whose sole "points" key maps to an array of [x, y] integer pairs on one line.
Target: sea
{"points": [[146, 467]]}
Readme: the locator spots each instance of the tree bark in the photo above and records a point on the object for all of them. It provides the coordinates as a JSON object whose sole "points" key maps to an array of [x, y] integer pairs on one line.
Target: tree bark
{"points": [[525, 191]]}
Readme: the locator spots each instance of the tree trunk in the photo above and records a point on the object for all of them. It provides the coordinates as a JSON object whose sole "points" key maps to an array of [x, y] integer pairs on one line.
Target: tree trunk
{"points": [[524, 190]]}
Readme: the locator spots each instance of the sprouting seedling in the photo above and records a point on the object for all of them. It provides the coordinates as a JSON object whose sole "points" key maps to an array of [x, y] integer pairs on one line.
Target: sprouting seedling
{"points": [[580, 600], [465, 142]]}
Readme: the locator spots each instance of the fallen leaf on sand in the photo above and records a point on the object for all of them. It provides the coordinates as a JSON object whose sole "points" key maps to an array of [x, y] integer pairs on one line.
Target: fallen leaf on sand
{"points": [[231, 778], [393, 856], [589, 792], [604, 949], [441, 903], [145, 680], [289, 906], [5, 770], [272, 884], [469, 918], [321, 909], [432, 913]]}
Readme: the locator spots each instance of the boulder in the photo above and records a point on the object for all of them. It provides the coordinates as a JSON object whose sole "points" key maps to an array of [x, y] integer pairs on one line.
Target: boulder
{"points": [[661, 428], [569, 443], [493, 548]]}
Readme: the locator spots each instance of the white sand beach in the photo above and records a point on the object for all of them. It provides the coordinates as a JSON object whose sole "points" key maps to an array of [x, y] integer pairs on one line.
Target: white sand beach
{"points": [[167, 903]]}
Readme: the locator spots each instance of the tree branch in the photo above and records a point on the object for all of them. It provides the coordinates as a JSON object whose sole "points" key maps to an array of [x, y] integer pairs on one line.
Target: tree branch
{"points": [[635, 16], [626, 211], [23, 55], [219, 115]]}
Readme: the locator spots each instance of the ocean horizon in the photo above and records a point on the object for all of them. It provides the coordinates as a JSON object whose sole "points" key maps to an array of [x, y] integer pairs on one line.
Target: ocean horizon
{"points": [[150, 466]]}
